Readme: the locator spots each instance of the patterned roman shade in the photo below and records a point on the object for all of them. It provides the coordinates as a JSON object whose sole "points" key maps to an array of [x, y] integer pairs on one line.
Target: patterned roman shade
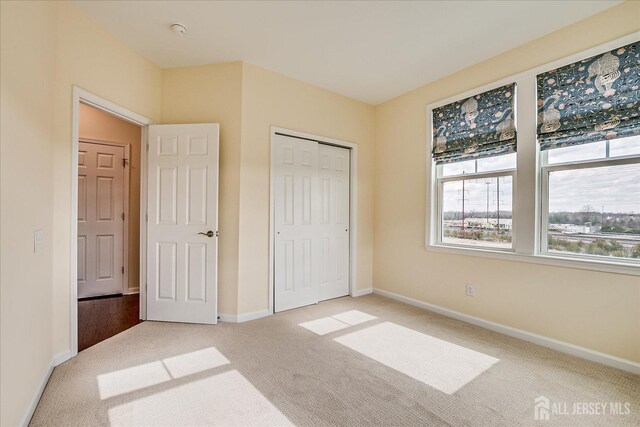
{"points": [[480, 126], [591, 100]]}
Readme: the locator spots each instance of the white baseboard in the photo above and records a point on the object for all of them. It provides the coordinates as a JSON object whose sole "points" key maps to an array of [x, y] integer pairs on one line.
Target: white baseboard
{"points": [[132, 291], [61, 357], [564, 347], [232, 318], [26, 419], [57, 359], [361, 292]]}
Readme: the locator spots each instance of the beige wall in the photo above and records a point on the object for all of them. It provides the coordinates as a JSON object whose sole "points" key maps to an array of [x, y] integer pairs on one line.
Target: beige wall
{"points": [[600, 311], [270, 99], [92, 59], [47, 47], [247, 100], [97, 125], [213, 94], [26, 201]]}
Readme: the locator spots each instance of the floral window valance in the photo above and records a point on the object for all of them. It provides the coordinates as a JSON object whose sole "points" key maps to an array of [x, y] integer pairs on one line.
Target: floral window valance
{"points": [[590, 100], [480, 126]]}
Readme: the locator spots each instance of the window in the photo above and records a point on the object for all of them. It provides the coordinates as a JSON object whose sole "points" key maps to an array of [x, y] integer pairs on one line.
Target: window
{"points": [[474, 148], [591, 200], [476, 199], [571, 194], [588, 130]]}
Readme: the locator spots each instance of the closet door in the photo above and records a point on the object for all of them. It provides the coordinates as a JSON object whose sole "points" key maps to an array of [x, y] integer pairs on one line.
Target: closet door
{"points": [[333, 239], [295, 178]]}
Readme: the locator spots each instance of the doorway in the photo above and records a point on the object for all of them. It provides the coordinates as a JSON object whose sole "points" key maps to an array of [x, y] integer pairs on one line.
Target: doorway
{"points": [[312, 219], [108, 225], [178, 221]]}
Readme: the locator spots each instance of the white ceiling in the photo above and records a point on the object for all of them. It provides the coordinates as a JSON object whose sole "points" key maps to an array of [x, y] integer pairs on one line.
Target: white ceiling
{"points": [[369, 51]]}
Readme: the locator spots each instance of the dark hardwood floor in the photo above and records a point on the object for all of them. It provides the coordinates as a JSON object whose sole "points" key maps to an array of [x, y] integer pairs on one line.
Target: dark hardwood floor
{"points": [[102, 318]]}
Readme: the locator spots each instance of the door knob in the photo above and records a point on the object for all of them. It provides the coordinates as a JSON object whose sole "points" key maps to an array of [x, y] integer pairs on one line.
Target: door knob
{"points": [[208, 233]]}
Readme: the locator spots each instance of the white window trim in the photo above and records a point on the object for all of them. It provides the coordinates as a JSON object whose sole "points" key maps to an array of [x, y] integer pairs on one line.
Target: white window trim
{"points": [[546, 169], [527, 212], [440, 180]]}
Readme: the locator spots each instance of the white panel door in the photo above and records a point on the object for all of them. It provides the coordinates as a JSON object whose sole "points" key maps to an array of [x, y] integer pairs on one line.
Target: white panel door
{"points": [[333, 191], [182, 223], [100, 219], [295, 180]]}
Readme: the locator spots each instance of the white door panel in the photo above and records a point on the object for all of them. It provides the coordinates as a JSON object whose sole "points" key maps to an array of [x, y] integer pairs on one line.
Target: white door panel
{"points": [[182, 209], [311, 218], [100, 219], [333, 175], [296, 210]]}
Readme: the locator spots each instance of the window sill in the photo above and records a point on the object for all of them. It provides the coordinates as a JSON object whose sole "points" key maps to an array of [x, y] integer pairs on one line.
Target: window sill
{"points": [[544, 259]]}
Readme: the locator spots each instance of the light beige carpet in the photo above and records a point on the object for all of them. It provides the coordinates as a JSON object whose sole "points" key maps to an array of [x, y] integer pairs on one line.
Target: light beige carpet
{"points": [[366, 361]]}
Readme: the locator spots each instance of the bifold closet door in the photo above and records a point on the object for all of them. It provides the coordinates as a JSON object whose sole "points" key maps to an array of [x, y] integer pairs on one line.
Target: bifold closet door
{"points": [[295, 172], [333, 178], [311, 219]]}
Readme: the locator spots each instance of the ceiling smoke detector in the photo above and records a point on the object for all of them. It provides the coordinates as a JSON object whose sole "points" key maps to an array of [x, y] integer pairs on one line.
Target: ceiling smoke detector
{"points": [[179, 29]]}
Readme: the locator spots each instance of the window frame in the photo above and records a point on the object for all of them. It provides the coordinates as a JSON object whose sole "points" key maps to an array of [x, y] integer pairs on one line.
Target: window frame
{"points": [[528, 180], [545, 170], [441, 180]]}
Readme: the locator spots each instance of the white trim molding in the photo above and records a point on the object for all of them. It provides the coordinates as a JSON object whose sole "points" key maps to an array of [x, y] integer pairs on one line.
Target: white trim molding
{"points": [[33, 403], [361, 292], [245, 317], [566, 261], [61, 357], [85, 97], [561, 346]]}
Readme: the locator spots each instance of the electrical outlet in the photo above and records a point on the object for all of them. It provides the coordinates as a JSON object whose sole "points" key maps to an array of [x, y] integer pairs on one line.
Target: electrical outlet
{"points": [[471, 290]]}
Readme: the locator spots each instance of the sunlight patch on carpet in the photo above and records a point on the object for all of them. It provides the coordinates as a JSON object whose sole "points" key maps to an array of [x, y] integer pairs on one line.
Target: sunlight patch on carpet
{"points": [[440, 364], [194, 362], [227, 399], [324, 326], [354, 317], [337, 322], [130, 379], [149, 374]]}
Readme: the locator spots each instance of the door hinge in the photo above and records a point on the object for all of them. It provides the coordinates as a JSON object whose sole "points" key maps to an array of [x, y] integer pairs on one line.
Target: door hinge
{"points": [[124, 162], [123, 216], [147, 146], [146, 217], [123, 269]]}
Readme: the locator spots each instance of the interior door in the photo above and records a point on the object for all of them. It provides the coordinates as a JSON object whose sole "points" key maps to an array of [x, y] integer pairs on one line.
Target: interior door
{"points": [[182, 223], [295, 177], [100, 219], [333, 191]]}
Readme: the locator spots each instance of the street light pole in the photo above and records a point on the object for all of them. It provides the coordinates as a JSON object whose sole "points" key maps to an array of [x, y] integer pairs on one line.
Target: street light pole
{"points": [[488, 182], [498, 203]]}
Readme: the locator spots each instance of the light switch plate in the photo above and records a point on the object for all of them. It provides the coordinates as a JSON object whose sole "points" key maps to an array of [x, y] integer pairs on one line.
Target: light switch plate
{"points": [[38, 240]]}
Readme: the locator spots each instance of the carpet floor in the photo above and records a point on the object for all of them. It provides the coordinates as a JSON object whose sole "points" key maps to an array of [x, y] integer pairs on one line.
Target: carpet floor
{"points": [[366, 361]]}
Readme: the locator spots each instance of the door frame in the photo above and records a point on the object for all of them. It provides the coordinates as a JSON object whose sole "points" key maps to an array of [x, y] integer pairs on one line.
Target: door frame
{"points": [[125, 207], [88, 98], [353, 203]]}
